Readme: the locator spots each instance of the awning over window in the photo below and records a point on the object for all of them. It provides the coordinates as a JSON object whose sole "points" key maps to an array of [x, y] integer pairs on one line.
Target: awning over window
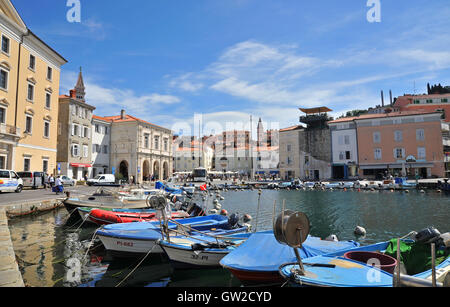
{"points": [[80, 165]]}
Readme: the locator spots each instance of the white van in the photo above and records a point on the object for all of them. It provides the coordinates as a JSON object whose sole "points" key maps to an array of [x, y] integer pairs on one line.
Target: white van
{"points": [[103, 179], [33, 180], [10, 182]]}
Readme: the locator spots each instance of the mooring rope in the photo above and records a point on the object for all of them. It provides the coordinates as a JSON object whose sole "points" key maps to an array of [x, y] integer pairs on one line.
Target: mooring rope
{"points": [[132, 271]]}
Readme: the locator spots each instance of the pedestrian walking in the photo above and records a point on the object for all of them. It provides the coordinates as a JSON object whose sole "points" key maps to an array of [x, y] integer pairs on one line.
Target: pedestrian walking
{"points": [[51, 181], [45, 180], [58, 186]]}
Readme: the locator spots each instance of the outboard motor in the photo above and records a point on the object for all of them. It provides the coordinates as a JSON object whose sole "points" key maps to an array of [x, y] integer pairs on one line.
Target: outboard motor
{"points": [[195, 210], [428, 235], [178, 205], [233, 221]]}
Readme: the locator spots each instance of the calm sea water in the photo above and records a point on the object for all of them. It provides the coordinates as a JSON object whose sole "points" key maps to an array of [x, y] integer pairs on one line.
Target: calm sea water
{"points": [[53, 250]]}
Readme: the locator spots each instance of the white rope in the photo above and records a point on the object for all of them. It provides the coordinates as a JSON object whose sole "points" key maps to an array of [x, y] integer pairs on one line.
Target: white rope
{"points": [[132, 271]]}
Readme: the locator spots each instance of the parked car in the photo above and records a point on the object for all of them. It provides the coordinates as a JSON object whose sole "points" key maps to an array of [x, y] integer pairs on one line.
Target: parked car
{"points": [[103, 179], [33, 180], [67, 181], [10, 181]]}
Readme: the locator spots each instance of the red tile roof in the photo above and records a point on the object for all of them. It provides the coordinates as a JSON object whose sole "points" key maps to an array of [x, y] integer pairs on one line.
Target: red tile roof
{"points": [[128, 118], [291, 128], [408, 99], [384, 115], [101, 118]]}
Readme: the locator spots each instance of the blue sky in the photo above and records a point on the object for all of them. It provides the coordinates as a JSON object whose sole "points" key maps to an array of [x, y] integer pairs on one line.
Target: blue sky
{"points": [[164, 60]]}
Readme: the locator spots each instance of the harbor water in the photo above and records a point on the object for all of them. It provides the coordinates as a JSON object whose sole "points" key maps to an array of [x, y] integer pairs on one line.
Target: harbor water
{"points": [[53, 251]]}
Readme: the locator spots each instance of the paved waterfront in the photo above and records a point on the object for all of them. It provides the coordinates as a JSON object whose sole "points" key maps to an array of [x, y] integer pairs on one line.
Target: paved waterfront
{"points": [[9, 270], [40, 195]]}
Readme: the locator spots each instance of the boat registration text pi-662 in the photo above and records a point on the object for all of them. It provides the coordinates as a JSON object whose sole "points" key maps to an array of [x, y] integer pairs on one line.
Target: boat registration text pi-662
{"points": [[124, 243]]}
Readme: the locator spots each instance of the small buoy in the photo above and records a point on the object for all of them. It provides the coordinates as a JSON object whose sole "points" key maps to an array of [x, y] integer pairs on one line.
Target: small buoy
{"points": [[406, 191], [345, 189], [392, 190], [215, 201], [360, 231], [439, 191], [224, 212], [213, 211], [422, 191], [332, 238], [217, 206], [222, 198], [247, 218], [248, 226]]}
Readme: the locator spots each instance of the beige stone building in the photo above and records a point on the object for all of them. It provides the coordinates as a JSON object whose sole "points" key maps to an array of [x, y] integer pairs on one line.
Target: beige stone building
{"points": [[305, 151], [139, 149], [75, 134], [290, 154], [29, 90], [190, 154]]}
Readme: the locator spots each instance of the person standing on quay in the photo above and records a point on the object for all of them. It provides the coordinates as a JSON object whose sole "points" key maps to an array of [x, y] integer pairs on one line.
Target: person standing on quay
{"points": [[51, 181], [59, 186]]}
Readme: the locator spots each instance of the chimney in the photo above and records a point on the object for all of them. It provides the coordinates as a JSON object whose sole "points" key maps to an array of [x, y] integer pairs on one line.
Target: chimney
{"points": [[122, 114], [382, 99], [73, 94], [390, 96]]}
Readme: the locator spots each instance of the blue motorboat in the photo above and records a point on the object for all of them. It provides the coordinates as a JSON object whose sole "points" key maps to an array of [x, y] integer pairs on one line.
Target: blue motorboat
{"points": [[138, 238], [359, 267], [332, 185], [258, 259], [402, 183], [161, 186]]}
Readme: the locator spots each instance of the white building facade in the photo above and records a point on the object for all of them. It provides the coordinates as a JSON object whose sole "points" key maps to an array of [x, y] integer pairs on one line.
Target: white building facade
{"points": [[344, 149], [140, 151], [101, 146]]}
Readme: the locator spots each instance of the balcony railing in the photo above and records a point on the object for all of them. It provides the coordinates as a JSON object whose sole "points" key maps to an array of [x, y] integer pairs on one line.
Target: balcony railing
{"points": [[10, 130]]}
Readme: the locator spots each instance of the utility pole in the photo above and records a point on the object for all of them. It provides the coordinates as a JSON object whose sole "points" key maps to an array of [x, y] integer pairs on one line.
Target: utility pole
{"points": [[251, 147]]}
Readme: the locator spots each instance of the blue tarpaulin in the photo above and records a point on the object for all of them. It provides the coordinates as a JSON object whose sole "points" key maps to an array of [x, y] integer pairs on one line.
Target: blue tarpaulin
{"points": [[262, 252], [161, 186]]}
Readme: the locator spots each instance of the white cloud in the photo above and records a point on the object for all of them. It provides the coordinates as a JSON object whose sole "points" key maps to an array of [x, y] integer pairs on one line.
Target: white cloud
{"points": [[110, 100], [433, 59], [184, 83]]}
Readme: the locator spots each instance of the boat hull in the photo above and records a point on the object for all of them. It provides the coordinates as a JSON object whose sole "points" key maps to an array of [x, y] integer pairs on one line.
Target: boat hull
{"points": [[104, 217], [252, 278], [139, 238], [126, 247], [72, 204], [181, 258]]}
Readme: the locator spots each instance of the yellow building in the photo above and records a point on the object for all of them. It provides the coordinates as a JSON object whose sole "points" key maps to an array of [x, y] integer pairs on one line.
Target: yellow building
{"points": [[29, 90]]}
